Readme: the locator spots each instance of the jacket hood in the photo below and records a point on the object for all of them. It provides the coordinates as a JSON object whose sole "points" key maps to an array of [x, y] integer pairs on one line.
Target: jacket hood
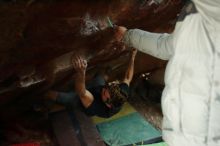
{"points": [[209, 8]]}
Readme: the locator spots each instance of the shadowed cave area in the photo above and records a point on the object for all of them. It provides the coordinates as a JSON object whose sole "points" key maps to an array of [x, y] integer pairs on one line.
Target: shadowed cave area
{"points": [[38, 39]]}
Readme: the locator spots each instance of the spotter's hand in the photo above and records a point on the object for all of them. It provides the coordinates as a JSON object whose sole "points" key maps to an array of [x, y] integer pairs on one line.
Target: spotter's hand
{"points": [[119, 32]]}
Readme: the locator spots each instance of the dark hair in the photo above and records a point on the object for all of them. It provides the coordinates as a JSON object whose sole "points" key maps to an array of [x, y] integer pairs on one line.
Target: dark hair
{"points": [[118, 97]]}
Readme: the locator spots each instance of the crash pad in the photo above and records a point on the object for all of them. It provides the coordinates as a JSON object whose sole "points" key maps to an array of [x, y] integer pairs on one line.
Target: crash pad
{"points": [[129, 129], [156, 144], [126, 109]]}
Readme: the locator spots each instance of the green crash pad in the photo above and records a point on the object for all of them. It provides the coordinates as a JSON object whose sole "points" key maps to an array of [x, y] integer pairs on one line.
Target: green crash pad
{"points": [[126, 130], [156, 144], [126, 110]]}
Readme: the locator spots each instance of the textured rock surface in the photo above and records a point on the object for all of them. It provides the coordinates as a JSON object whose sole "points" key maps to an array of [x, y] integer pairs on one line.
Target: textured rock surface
{"points": [[38, 38]]}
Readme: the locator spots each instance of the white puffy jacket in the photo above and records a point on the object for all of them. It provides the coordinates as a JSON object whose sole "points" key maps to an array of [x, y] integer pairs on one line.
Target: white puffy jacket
{"points": [[191, 98]]}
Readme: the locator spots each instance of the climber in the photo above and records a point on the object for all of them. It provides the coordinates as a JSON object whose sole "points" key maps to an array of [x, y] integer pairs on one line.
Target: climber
{"points": [[97, 98]]}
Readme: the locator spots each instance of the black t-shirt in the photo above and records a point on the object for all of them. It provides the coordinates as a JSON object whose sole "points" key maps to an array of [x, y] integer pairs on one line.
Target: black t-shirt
{"points": [[98, 107]]}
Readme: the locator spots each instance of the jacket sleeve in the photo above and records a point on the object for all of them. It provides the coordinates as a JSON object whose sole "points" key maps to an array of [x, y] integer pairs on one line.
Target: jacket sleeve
{"points": [[155, 44]]}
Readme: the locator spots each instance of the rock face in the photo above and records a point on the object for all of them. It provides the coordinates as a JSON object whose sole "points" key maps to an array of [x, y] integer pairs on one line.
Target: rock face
{"points": [[38, 38]]}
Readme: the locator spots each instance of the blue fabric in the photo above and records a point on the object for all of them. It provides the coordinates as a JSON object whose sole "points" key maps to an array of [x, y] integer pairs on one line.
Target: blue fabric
{"points": [[72, 99], [68, 99], [97, 81]]}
